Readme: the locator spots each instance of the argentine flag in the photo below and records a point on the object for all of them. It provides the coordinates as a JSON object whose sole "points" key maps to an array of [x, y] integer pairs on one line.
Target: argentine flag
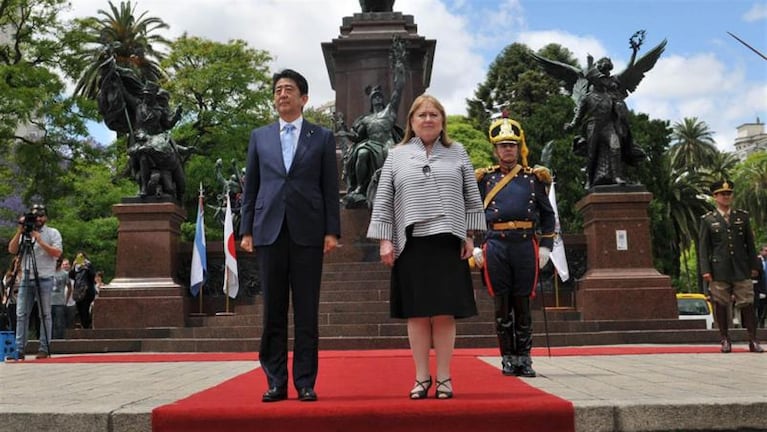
{"points": [[199, 273]]}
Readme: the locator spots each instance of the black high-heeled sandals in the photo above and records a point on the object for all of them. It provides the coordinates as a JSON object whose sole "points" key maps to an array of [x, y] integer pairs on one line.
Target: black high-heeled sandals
{"points": [[421, 389]]}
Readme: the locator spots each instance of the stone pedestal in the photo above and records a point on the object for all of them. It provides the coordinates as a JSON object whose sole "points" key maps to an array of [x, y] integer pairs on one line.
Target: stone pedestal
{"points": [[144, 292], [354, 245], [359, 57], [620, 282]]}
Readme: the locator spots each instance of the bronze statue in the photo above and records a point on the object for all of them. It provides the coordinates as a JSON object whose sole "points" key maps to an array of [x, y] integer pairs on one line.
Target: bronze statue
{"points": [[374, 134], [601, 112], [377, 5], [231, 187], [141, 111]]}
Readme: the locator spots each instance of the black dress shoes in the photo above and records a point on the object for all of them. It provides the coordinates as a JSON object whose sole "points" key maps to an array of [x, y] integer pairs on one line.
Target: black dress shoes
{"points": [[307, 394], [726, 345], [275, 394]]}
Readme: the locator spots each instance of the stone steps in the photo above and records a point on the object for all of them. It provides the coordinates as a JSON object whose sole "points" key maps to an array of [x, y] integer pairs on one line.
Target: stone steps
{"points": [[236, 343], [354, 314]]}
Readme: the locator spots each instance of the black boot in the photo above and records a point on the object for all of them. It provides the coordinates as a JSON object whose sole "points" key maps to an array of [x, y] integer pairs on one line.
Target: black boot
{"points": [[525, 368], [504, 329], [748, 315], [720, 314], [523, 331]]}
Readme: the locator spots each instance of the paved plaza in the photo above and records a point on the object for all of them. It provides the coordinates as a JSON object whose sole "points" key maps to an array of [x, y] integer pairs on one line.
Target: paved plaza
{"points": [[648, 392]]}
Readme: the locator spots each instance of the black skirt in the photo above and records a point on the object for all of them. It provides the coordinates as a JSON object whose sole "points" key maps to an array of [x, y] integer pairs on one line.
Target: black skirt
{"points": [[429, 278]]}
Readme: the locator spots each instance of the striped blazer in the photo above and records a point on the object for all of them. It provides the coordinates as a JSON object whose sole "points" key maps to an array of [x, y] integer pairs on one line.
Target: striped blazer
{"points": [[436, 195]]}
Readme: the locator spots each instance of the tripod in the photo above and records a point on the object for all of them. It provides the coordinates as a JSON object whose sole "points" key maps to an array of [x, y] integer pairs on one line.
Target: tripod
{"points": [[30, 280]]}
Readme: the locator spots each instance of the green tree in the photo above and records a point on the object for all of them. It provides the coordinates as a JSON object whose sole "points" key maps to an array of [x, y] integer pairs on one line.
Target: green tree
{"points": [[460, 129], [40, 128], [225, 90], [132, 41], [693, 144], [750, 178]]}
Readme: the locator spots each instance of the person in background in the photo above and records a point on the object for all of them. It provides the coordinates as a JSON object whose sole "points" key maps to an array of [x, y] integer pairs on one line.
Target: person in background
{"points": [[291, 219], [425, 214], [47, 248], [727, 261], [59, 298], [11, 281], [84, 288], [761, 289], [516, 207]]}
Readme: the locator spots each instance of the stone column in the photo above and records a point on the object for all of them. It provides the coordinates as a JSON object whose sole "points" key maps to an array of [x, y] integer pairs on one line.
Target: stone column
{"points": [[359, 57], [620, 282]]}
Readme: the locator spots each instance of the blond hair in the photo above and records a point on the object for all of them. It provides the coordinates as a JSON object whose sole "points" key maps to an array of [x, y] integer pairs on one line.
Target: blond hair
{"points": [[417, 103]]}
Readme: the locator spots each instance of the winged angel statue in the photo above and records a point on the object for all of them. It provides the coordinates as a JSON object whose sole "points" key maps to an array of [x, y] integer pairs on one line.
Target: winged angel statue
{"points": [[600, 114]]}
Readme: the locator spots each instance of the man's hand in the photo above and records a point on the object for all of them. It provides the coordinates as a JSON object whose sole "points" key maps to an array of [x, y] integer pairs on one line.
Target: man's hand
{"points": [[247, 243], [544, 254], [331, 242]]}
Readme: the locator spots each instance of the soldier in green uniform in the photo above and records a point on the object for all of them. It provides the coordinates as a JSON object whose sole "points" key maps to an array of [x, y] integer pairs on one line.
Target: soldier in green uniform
{"points": [[728, 261]]}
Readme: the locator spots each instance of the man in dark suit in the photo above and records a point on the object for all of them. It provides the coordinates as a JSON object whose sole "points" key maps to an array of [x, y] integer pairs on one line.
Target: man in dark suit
{"points": [[727, 261], [290, 213]]}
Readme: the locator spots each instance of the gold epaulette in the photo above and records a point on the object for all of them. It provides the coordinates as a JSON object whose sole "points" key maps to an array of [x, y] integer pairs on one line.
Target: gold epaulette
{"points": [[543, 174], [480, 173]]}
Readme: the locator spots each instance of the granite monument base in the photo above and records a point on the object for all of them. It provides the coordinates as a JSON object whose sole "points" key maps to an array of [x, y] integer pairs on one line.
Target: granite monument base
{"points": [[354, 246], [620, 282], [144, 292]]}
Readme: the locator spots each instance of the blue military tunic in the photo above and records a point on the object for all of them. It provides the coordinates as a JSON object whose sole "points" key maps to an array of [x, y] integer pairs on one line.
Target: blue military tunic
{"points": [[517, 216]]}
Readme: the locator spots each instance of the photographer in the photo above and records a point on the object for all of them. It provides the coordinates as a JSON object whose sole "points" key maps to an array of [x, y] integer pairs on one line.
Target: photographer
{"points": [[38, 268]]}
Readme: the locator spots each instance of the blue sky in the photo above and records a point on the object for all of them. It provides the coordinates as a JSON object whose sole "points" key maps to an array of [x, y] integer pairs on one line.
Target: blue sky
{"points": [[704, 72]]}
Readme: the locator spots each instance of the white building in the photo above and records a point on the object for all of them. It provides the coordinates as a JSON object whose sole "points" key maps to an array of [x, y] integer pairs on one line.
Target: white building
{"points": [[751, 138]]}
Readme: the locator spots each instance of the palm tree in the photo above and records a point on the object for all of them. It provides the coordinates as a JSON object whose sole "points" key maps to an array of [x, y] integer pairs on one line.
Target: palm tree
{"points": [[750, 178], [130, 41], [720, 166], [685, 200], [693, 145]]}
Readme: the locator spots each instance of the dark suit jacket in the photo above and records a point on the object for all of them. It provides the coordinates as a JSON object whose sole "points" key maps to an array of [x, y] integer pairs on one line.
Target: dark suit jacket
{"points": [[306, 196], [727, 251]]}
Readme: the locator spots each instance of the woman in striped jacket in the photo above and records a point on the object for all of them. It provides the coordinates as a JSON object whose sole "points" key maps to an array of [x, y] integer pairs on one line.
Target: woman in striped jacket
{"points": [[426, 209]]}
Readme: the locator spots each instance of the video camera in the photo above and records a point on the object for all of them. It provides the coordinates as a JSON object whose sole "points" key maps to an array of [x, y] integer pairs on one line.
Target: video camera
{"points": [[29, 221]]}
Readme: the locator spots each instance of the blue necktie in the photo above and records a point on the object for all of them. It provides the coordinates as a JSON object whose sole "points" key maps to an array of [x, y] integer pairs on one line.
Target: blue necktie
{"points": [[288, 140]]}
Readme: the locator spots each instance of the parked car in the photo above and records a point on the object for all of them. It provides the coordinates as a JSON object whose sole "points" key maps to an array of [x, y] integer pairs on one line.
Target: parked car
{"points": [[695, 306]]}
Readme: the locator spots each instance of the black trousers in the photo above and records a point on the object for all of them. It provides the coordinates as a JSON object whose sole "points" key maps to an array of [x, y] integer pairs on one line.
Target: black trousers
{"points": [[289, 269]]}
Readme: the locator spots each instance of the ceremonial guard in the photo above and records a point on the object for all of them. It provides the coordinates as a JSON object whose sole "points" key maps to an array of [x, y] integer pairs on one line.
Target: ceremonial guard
{"points": [[728, 261], [518, 242]]}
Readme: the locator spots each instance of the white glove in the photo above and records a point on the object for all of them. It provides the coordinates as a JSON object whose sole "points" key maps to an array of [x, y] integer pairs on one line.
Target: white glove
{"points": [[479, 259], [762, 295], [543, 256]]}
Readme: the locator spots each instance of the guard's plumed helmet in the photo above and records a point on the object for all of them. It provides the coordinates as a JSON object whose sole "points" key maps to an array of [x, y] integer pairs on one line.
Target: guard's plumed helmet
{"points": [[507, 130]]}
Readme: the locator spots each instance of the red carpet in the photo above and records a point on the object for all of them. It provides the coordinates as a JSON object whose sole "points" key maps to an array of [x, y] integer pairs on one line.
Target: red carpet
{"points": [[370, 391]]}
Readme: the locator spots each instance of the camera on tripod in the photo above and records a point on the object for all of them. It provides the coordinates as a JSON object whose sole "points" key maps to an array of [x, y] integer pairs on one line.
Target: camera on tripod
{"points": [[29, 222]]}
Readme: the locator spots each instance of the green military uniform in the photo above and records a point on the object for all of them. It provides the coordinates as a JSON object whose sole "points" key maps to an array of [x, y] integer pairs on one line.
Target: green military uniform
{"points": [[728, 255], [727, 250]]}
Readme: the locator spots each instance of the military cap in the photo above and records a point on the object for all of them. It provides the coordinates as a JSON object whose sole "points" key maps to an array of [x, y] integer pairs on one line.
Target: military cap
{"points": [[722, 186]]}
